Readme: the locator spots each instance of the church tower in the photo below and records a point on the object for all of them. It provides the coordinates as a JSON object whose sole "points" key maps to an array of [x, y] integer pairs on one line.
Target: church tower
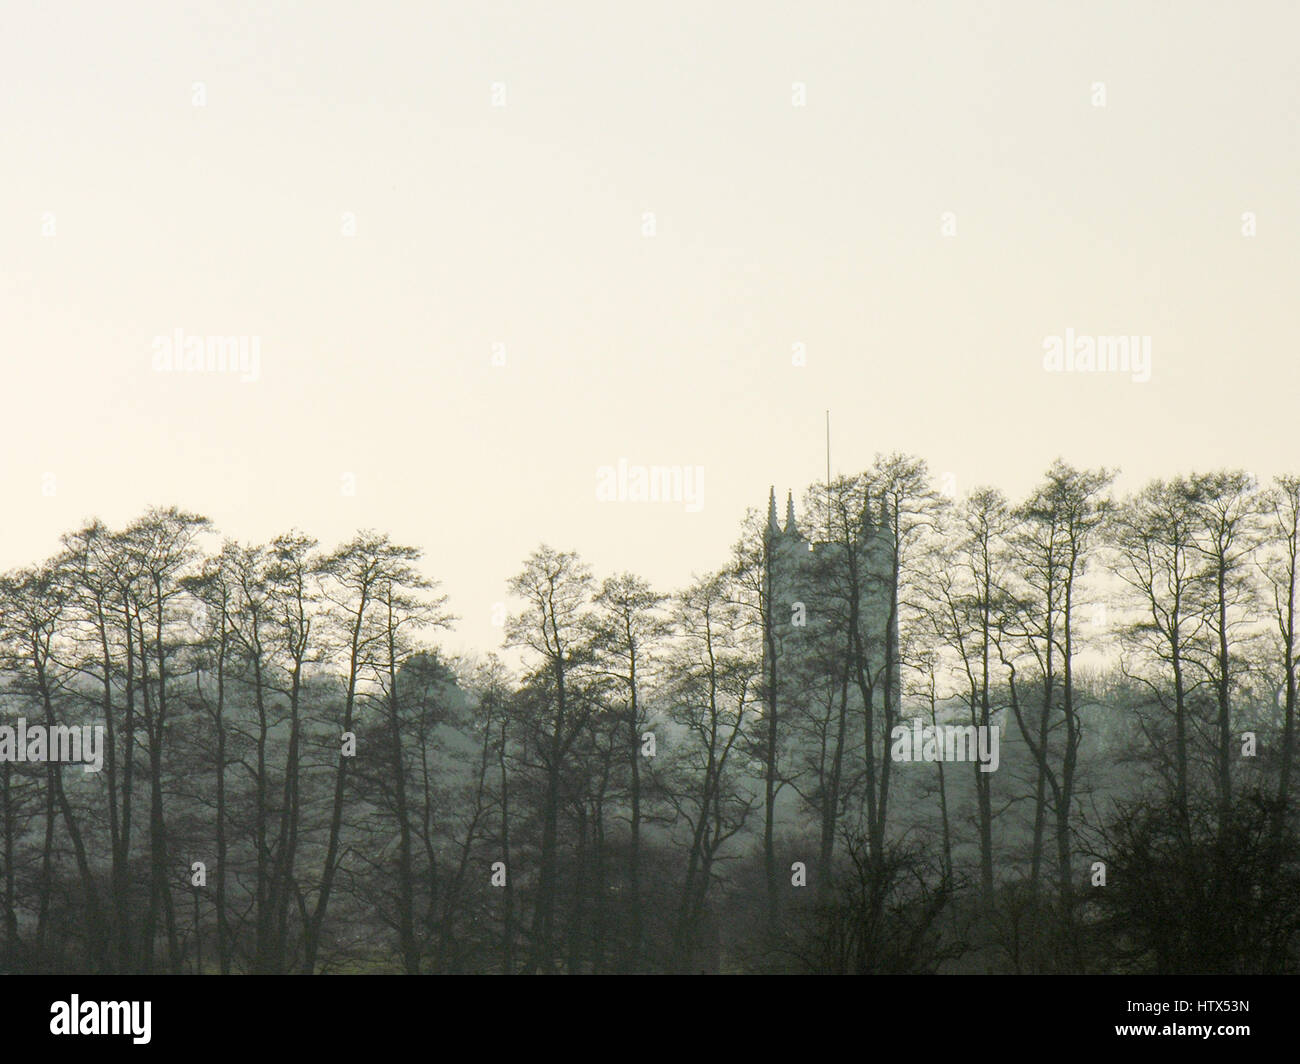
{"points": [[809, 585]]}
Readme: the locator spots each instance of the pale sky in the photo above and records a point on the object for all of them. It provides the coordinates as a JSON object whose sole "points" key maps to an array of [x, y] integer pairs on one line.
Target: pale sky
{"points": [[128, 212]]}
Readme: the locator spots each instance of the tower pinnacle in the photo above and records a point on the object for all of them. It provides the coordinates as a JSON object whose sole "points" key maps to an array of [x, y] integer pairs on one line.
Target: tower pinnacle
{"points": [[790, 527]]}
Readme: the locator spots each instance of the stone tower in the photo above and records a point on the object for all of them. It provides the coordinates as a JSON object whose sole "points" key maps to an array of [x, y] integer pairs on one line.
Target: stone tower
{"points": [[809, 600]]}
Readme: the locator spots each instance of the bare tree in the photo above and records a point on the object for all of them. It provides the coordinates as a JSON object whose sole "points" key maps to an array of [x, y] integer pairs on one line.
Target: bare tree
{"points": [[629, 630], [716, 675], [555, 587]]}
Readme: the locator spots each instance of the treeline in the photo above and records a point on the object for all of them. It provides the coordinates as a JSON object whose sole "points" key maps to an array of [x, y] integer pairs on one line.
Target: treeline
{"points": [[294, 779]]}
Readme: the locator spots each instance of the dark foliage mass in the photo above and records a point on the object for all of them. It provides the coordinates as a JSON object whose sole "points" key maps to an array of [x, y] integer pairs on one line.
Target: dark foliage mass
{"points": [[293, 779]]}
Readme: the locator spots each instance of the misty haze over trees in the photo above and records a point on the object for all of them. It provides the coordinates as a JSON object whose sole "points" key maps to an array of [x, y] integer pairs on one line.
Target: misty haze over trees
{"points": [[295, 779]]}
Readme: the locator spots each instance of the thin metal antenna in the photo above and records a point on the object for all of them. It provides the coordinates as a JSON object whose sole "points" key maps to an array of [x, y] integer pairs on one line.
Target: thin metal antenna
{"points": [[828, 450]]}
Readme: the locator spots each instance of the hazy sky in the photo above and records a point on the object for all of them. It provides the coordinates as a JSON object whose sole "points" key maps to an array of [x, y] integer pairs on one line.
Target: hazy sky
{"points": [[128, 212]]}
